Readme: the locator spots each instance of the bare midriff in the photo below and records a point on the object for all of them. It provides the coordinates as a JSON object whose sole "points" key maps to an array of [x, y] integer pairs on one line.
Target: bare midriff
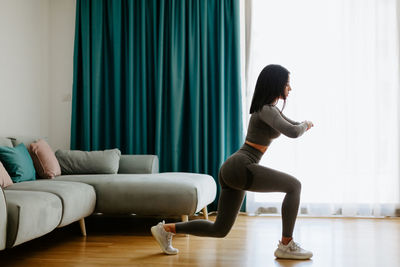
{"points": [[257, 146]]}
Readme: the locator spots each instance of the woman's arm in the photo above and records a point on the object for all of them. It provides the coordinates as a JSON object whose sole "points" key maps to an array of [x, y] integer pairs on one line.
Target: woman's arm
{"points": [[274, 118], [289, 120]]}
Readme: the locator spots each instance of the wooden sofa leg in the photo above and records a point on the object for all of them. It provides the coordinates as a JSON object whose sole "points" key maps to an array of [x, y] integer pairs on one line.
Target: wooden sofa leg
{"points": [[185, 218], [205, 213], [82, 225]]}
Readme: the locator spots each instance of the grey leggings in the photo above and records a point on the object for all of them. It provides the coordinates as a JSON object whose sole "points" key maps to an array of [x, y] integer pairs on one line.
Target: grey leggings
{"points": [[239, 173]]}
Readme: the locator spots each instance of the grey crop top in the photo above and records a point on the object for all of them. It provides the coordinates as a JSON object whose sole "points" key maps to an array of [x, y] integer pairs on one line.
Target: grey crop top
{"points": [[269, 123]]}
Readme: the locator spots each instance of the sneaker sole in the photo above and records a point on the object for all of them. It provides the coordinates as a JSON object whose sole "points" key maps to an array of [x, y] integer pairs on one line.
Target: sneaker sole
{"points": [[153, 232], [287, 256]]}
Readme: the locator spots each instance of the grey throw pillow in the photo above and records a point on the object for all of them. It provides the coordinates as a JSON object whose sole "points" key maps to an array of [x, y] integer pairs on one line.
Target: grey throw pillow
{"points": [[92, 162]]}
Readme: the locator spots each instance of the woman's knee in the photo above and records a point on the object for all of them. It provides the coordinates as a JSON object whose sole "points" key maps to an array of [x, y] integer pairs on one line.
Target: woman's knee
{"points": [[221, 228], [221, 233], [296, 185]]}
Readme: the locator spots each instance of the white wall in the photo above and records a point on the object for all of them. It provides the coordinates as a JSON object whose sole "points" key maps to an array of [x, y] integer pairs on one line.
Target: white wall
{"points": [[23, 67], [62, 35], [36, 56]]}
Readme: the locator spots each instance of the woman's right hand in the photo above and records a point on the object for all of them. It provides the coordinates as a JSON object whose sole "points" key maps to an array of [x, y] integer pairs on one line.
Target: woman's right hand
{"points": [[309, 125]]}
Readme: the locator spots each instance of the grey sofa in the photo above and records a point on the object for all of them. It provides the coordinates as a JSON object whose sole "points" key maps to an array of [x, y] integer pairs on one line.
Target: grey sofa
{"points": [[34, 208]]}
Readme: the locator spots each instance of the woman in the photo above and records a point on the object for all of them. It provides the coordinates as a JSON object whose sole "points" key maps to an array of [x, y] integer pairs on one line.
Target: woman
{"points": [[241, 172]]}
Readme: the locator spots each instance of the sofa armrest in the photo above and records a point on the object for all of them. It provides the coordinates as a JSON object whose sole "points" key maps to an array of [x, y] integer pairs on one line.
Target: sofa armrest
{"points": [[138, 164], [3, 220]]}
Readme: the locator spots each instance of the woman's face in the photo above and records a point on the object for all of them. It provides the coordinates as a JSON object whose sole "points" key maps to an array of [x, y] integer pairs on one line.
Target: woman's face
{"points": [[287, 89]]}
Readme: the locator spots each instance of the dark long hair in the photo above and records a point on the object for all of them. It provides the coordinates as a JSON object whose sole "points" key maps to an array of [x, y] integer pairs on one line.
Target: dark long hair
{"points": [[270, 85]]}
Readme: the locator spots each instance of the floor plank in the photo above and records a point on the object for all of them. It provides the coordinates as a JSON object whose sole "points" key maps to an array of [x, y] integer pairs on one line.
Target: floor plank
{"points": [[252, 241]]}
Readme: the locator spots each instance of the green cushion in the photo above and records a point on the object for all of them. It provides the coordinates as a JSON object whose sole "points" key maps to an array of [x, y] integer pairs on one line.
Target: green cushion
{"points": [[18, 163]]}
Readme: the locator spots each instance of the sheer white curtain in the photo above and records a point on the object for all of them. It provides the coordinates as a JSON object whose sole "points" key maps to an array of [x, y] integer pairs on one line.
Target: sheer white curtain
{"points": [[343, 56]]}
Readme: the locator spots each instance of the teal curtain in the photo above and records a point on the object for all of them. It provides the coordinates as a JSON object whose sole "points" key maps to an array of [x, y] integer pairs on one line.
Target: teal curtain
{"points": [[159, 77]]}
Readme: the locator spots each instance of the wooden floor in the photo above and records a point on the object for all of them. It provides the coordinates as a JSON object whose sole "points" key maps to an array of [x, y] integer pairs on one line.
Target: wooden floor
{"points": [[252, 241]]}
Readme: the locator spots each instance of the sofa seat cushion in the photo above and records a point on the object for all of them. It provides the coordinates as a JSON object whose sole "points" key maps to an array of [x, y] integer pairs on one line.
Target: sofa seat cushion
{"points": [[30, 215], [149, 194], [78, 199]]}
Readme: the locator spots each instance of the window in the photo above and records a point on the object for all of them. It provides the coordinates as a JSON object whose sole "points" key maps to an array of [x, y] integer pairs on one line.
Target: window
{"points": [[344, 62]]}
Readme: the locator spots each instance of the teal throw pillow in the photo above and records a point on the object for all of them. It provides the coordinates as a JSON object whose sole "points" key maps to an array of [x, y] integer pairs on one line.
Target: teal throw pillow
{"points": [[18, 163]]}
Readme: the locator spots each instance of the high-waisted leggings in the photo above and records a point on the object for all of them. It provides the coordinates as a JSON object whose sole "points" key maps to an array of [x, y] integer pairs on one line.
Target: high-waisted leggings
{"points": [[241, 172]]}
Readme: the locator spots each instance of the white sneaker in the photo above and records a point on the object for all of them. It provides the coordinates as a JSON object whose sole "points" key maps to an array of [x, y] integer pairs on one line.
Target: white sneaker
{"points": [[164, 238], [292, 251]]}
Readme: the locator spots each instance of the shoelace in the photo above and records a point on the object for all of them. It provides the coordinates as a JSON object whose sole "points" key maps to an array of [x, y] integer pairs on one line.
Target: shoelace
{"points": [[169, 239], [169, 235], [294, 246]]}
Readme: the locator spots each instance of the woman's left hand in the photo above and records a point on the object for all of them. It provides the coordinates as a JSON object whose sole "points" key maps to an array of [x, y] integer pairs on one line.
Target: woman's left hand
{"points": [[309, 125]]}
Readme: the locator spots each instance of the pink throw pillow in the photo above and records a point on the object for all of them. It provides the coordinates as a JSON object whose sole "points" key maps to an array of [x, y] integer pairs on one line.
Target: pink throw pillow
{"points": [[5, 179], [44, 160]]}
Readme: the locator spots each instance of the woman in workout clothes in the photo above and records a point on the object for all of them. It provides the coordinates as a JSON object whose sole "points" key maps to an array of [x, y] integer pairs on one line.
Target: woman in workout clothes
{"points": [[241, 171]]}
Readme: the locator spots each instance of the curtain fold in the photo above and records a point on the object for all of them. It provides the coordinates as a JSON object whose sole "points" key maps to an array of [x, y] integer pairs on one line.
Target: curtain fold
{"points": [[159, 77]]}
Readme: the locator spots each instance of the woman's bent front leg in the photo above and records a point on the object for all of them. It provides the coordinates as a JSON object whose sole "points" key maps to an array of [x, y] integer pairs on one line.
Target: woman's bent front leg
{"points": [[269, 180]]}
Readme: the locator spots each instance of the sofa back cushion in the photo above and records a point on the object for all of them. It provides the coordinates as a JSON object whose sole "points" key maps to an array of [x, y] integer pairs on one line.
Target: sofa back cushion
{"points": [[5, 142], [18, 163], [25, 139], [93, 162], [44, 160], [5, 179]]}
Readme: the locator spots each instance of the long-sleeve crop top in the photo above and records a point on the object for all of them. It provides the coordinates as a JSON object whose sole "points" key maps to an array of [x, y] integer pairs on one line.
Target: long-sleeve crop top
{"points": [[269, 123]]}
